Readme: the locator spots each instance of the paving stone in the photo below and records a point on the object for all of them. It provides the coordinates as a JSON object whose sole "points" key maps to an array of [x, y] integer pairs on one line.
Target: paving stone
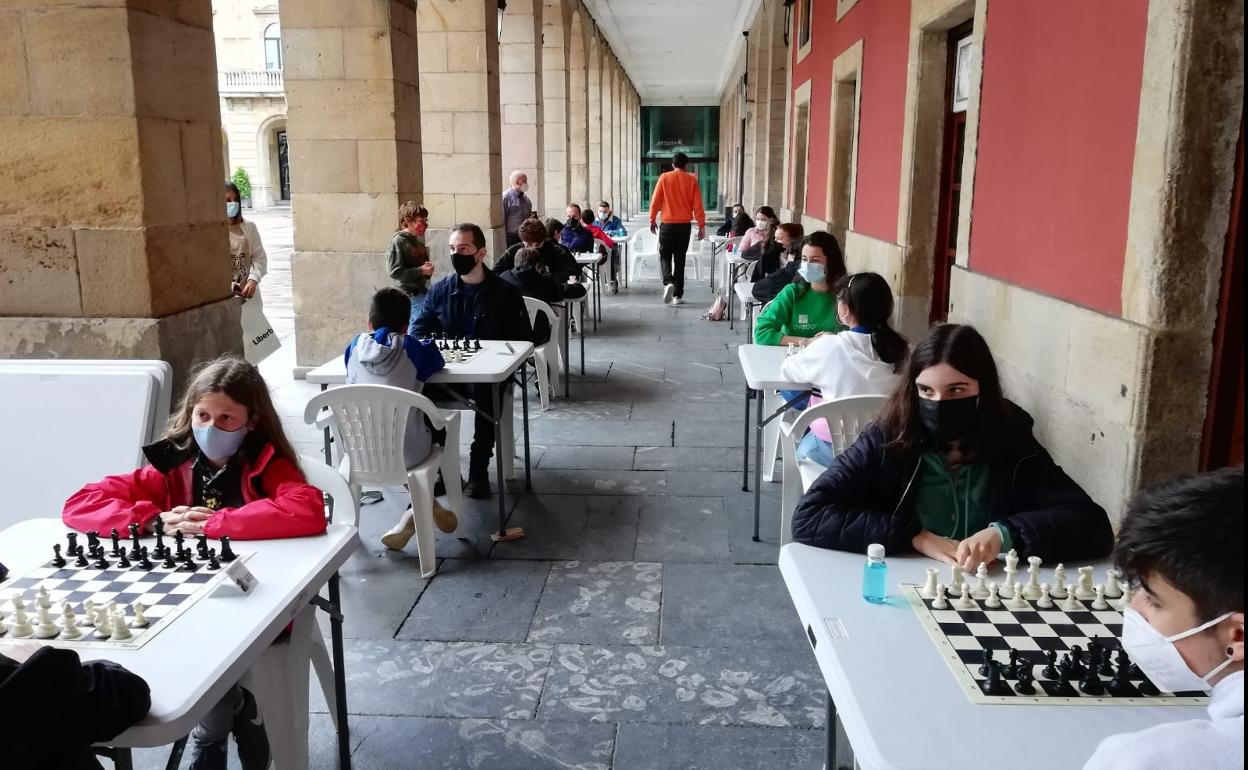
{"points": [[650, 458], [729, 604], [487, 600], [711, 433], [694, 373], [704, 747], [588, 458], [688, 685], [322, 747], [564, 409], [690, 529], [601, 482], [595, 528], [628, 433], [613, 602]]}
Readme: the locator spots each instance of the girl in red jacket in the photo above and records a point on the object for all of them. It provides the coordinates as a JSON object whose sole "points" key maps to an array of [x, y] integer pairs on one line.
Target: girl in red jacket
{"points": [[225, 468]]}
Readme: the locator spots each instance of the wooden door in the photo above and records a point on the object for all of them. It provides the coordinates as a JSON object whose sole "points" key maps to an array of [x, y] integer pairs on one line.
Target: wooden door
{"points": [[945, 250]]}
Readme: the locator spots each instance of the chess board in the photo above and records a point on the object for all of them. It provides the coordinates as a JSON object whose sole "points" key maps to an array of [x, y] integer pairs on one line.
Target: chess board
{"points": [[460, 356], [961, 636], [165, 594]]}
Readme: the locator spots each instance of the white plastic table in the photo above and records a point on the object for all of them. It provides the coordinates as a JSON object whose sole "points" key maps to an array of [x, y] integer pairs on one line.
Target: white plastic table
{"points": [[896, 698], [745, 294], [227, 630], [496, 365], [760, 365], [734, 267], [591, 262], [718, 244]]}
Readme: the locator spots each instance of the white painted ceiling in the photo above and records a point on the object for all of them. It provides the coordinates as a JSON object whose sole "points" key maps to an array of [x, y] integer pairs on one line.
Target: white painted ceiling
{"points": [[675, 51]]}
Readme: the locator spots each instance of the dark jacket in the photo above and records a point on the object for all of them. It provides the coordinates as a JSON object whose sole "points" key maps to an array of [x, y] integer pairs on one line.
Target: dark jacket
{"points": [[576, 239], [495, 311], [864, 498], [558, 260], [770, 257], [538, 285], [53, 707], [766, 288]]}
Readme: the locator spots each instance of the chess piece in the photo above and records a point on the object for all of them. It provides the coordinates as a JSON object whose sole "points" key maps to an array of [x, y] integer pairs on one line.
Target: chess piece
{"points": [[980, 591], [93, 540], [1017, 600], [46, 629], [1050, 668], [213, 564], [1016, 662], [994, 596], [1122, 604], [159, 551], [476, 345], [57, 559], [1099, 602], [123, 561], [1032, 589], [989, 660], [1084, 590], [1120, 685], [20, 627], [1071, 603], [1011, 561], [100, 562], [88, 613], [966, 601], [1045, 602], [994, 684], [1059, 582], [1011, 570], [140, 615], [1113, 584], [121, 632], [81, 561], [71, 543], [42, 599], [201, 546], [103, 624], [928, 591], [69, 624], [145, 563], [1077, 661], [188, 562], [227, 553], [1106, 665], [1091, 684], [940, 602], [956, 579], [169, 562], [179, 541], [115, 538]]}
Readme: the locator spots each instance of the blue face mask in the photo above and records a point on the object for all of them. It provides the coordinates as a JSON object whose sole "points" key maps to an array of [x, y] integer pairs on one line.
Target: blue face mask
{"points": [[216, 444], [232, 208], [811, 272]]}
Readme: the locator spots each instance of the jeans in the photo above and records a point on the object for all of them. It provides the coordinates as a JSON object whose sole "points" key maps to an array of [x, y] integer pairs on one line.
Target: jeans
{"points": [[816, 450], [673, 245], [418, 304], [209, 738]]}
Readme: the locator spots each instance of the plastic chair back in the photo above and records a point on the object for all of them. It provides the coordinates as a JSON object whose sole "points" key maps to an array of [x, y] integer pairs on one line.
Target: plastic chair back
{"points": [[537, 308], [330, 481]]}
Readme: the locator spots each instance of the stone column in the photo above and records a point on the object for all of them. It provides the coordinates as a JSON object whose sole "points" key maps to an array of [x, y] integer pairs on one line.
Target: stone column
{"points": [[608, 130], [112, 227], [578, 133], [520, 92], [555, 106], [460, 115], [353, 121], [594, 104]]}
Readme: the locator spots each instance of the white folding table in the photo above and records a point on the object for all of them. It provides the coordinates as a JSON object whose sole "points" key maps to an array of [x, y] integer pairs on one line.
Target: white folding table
{"points": [[734, 267], [496, 365], [745, 294], [592, 262], [193, 661], [896, 697], [760, 365]]}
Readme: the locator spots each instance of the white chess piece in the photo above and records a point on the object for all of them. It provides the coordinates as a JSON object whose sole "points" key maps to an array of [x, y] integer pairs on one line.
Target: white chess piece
{"points": [[103, 627], [1084, 590], [1045, 602], [42, 599], [956, 579], [1017, 600], [88, 613], [18, 604], [46, 628], [1011, 561], [966, 601], [121, 632], [980, 591], [928, 591], [1099, 602], [994, 596], [1032, 589], [1059, 582], [140, 616], [940, 602], [69, 624], [1113, 584], [1125, 601], [1007, 586], [21, 628], [1072, 603]]}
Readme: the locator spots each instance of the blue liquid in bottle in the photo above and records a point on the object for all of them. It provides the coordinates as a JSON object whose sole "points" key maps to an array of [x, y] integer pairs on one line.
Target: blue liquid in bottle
{"points": [[875, 575]]}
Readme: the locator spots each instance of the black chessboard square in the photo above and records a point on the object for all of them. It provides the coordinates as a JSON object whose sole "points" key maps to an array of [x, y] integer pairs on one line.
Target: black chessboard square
{"points": [[1027, 616], [954, 629], [78, 597], [160, 588], [1011, 629], [1068, 630], [199, 577], [994, 643], [1050, 643], [1083, 618], [973, 616]]}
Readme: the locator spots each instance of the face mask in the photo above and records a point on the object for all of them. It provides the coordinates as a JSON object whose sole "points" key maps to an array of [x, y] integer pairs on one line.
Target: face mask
{"points": [[463, 263], [1159, 659], [524, 188], [232, 208], [603, 215], [761, 224], [949, 420], [812, 272], [216, 444]]}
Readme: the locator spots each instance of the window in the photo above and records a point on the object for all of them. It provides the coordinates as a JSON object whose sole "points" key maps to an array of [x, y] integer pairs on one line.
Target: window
{"points": [[803, 23], [273, 47]]}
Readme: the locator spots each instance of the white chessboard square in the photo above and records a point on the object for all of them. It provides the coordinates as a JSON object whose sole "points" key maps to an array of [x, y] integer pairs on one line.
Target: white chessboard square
{"points": [[1022, 643], [149, 599], [946, 616], [1108, 616], [1054, 617], [91, 586], [129, 577], [964, 642], [1093, 630], [104, 597], [185, 588], [1038, 629], [999, 616], [983, 630]]}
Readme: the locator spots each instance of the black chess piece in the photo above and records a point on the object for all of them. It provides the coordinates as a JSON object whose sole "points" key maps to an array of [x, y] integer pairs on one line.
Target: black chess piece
{"points": [[1107, 664], [1015, 664], [1120, 685], [1095, 652], [201, 545], [179, 540], [1076, 660], [145, 563], [1146, 687], [994, 684], [1091, 683], [57, 559], [989, 660], [213, 564], [93, 539], [115, 538], [188, 562], [123, 561], [169, 562], [227, 553], [100, 561], [1025, 677], [81, 561], [136, 547], [71, 543], [159, 551], [1050, 669]]}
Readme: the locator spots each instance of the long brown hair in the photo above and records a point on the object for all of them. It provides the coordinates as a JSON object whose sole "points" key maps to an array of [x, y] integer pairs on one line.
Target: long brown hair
{"points": [[869, 297], [963, 348], [242, 382]]}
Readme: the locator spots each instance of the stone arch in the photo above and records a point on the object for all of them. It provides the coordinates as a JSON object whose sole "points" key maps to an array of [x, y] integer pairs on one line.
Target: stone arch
{"points": [[578, 111], [594, 113], [555, 22], [267, 185]]}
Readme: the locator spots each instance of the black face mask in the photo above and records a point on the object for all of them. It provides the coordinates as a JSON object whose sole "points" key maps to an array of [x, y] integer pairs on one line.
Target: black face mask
{"points": [[463, 263], [950, 420]]}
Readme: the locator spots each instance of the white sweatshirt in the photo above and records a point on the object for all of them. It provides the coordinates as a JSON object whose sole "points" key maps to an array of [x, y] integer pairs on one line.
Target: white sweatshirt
{"points": [[840, 365], [259, 259], [1213, 744]]}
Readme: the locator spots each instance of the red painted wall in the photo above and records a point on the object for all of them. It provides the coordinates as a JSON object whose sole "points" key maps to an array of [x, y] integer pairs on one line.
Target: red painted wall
{"points": [[884, 27], [1058, 114]]}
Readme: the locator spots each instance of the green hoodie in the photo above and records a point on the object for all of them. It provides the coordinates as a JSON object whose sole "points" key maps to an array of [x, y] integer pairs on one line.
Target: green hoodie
{"points": [[797, 311], [407, 253]]}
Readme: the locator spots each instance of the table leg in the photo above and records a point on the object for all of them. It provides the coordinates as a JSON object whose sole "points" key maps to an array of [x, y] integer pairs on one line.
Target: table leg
{"points": [[567, 350], [580, 330], [122, 760], [729, 291], [340, 675], [749, 324], [175, 754], [829, 750], [497, 414], [597, 296], [524, 388], [745, 445], [758, 462], [329, 456]]}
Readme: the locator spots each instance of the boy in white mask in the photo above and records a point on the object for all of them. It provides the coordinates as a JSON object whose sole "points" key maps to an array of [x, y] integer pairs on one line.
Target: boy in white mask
{"points": [[1182, 547]]}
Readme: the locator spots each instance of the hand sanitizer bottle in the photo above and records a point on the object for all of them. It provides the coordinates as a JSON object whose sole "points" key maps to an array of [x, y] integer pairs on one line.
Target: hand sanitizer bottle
{"points": [[875, 575]]}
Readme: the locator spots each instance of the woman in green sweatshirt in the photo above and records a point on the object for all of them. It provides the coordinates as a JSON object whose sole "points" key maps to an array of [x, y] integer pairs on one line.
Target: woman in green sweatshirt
{"points": [[806, 307]]}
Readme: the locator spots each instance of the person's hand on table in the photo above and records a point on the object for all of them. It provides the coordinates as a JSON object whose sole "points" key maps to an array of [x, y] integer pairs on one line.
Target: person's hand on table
{"points": [[249, 289], [185, 519], [980, 548], [426, 269], [933, 546]]}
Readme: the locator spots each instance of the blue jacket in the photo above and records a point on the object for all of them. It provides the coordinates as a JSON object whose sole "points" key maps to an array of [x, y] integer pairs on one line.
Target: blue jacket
{"points": [[578, 240], [864, 498], [612, 226], [494, 311]]}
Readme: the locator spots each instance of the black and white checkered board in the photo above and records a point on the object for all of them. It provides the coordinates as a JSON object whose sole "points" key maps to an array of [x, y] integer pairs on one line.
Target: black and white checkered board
{"points": [[459, 356], [165, 594], [961, 636]]}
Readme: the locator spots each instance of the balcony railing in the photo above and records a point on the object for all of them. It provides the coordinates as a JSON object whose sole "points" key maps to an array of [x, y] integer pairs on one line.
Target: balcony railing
{"points": [[250, 81]]}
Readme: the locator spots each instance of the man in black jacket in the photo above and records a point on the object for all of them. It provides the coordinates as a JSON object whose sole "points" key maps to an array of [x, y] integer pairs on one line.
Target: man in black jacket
{"points": [[474, 303], [557, 259], [53, 708]]}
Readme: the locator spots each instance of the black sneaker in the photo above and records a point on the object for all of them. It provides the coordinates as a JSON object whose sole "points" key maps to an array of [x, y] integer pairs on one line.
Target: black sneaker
{"points": [[208, 756], [439, 486], [249, 734], [478, 487]]}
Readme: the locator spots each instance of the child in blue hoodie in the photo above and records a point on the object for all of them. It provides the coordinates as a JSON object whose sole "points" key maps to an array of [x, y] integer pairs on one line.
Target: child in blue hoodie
{"points": [[385, 357]]}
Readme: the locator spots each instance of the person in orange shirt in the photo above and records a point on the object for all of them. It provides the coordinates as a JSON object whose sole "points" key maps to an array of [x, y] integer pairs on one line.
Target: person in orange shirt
{"points": [[677, 201]]}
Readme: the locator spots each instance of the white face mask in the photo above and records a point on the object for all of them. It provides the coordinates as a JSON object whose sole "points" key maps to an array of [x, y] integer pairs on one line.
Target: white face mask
{"points": [[524, 188], [1159, 659], [761, 224]]}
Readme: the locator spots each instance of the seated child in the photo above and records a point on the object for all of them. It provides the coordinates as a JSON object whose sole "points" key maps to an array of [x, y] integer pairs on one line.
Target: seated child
{"points": [[531, 278], [53, 707], [387, 355], [225, 468], [953, 471], [864, 361], [1181, 546]]}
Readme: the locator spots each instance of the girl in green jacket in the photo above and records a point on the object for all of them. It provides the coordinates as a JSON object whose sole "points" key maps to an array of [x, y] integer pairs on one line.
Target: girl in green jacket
{"points": [[805, 308]]}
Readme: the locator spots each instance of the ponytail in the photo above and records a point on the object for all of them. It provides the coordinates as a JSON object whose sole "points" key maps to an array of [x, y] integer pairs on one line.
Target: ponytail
{"points": [[891, 347], [869, 298]]}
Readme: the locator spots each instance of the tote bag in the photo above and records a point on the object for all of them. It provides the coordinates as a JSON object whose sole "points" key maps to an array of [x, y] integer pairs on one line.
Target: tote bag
{"points": [[259, 339]]}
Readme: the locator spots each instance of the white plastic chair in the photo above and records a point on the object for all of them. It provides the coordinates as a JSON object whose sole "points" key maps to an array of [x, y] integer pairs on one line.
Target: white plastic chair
{"points": [[643, 249], [847, 418], [369, 423], [547, 357]]}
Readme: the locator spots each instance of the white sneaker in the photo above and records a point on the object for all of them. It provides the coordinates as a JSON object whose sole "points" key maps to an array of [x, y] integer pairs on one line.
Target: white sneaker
{"points": [[678, 301], [668, 292]]}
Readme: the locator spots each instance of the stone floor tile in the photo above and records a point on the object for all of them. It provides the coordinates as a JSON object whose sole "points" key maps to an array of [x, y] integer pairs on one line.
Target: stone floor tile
{"points": [[595, 528], [701, 458], [690, 529], [729, 605], [588, 458], [484, 600], [704, 747], [601, 482], [615, 602]]}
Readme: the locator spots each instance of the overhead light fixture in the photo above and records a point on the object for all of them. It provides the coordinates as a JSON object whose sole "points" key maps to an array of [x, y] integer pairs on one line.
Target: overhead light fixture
{"points": [[788, 19], [502, 6]]}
